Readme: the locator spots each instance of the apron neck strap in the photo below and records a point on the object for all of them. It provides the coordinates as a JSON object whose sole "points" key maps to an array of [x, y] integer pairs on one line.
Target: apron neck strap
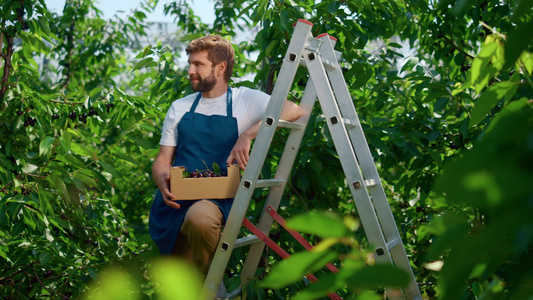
{"points": [[229, 101]]}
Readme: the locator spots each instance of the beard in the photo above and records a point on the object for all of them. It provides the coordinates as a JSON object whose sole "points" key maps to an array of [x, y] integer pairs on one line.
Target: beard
{"points": [[204, 84]]}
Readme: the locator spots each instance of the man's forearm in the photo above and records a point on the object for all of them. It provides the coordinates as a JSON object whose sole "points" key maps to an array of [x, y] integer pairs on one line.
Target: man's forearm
{"points": [[252, 131], [161, 166], [160, 171], [291, 111]]}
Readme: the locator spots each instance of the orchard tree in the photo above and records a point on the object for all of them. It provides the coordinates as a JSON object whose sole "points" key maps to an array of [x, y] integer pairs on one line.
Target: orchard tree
{"points": [[76, 138]]}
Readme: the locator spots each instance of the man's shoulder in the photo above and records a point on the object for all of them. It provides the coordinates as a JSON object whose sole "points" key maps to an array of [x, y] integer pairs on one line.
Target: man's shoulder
{"points": [[243, 91], [187, 100]]}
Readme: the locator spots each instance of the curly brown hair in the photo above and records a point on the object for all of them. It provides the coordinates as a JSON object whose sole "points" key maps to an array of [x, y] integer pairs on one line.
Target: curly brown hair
{"points": [[219, 50]]}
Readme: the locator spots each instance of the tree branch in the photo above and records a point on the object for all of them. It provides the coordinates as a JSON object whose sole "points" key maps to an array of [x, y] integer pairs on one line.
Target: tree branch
{"points": [[7, 67], [65, 102], [41, 282], [2, 43], [493, 30]]}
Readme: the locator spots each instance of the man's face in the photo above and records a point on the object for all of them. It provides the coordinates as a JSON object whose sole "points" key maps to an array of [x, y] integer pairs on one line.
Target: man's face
{"points": [[201, 72]]}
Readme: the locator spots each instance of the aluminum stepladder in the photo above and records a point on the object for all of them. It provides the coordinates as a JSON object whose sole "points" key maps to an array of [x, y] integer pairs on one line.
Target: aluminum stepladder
{"points": [[328, 85]]}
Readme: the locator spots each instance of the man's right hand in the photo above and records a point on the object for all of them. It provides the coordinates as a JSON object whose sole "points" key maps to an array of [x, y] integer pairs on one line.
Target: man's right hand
{"points": [[167, 195], [161, 174]]}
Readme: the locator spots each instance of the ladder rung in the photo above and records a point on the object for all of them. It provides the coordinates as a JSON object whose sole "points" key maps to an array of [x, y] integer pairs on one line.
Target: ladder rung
{"points": [[291, 125], [393, 243], [245, 241], [370, 182], [268, 183]]}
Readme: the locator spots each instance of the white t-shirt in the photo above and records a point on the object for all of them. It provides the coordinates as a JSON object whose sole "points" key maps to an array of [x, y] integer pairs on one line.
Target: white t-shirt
{"points": [[249, 107]]}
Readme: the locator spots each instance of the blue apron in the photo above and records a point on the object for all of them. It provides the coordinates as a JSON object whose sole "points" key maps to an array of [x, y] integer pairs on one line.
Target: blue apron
{"points": [[202, 140]]}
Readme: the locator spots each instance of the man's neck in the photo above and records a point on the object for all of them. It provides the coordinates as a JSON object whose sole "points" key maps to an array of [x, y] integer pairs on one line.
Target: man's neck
{"points": [[217, 91]]}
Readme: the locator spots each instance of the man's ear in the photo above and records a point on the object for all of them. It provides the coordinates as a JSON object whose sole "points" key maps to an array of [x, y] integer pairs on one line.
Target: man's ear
{"points": [[221, 68]]}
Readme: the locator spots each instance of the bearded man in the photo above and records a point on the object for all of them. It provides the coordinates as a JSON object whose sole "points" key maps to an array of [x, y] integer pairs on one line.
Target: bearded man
{"points": [[214, 125]]}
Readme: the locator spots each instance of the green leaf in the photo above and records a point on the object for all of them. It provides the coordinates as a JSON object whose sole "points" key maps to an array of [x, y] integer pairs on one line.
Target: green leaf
{"points": [[80, 149], [323, 224], [449, 228], [527, 60], [333, 7], [144, 143], [167, 272], [216, 168], [378, 276], [482, 60], [71, 159], [110, 169], [145, 62], [4, 255], [46, 145], [316, 165], [437, 157], [328, 283], [477, 289], [127, 158], [44, 25], [148, 127], [500, 91], [190, 37], [28, 220], [146, 51], [140, 15], [523, 7], [395, 45], [518, 41], [59, 184], [351, 223], [95, 91], [75, 132], [44, 258], [292, 269], [66, 137], [271, 47], [85, 179], [111, 284]]}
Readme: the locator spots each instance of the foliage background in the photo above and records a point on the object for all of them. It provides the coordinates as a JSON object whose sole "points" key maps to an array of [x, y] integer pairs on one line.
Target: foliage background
{"points": [[450, 126]]}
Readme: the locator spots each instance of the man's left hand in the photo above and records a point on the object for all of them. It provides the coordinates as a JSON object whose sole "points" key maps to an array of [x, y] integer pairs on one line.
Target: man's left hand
{"points": [[240, 152]]}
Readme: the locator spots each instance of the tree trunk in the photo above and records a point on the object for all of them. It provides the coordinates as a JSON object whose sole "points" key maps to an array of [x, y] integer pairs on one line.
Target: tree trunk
{"points": [[7, 63]]}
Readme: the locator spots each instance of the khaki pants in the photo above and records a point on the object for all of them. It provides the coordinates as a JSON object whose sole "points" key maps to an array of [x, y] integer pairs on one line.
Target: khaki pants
{"points": [[199, 234]]}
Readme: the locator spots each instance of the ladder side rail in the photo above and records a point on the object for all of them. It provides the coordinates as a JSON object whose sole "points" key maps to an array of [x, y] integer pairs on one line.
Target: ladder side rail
{"points": [[346, 154], [350, 165], [368, 166], [360, 144], [348, 160], [262, 142], [284, 171]]}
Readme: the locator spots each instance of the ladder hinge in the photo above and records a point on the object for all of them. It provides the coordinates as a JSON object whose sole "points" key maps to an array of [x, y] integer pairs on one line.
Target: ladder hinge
{"points": [[370, 182]]}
